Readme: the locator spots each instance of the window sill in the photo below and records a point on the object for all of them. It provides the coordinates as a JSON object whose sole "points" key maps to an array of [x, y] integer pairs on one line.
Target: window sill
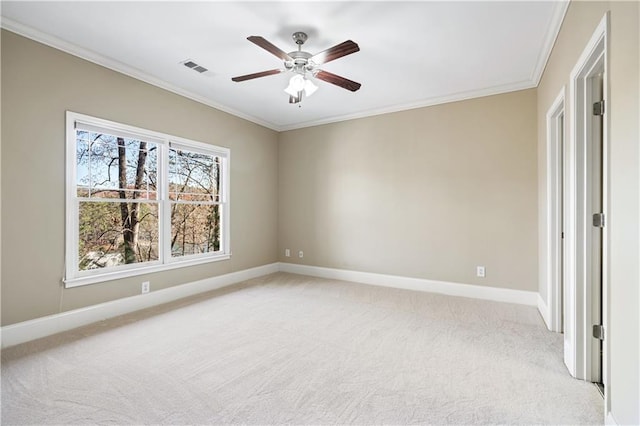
{"points": [[119, 274]]}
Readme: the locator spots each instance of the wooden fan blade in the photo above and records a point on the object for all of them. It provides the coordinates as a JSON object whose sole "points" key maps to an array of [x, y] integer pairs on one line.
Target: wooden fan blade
{"points": [[266, 45], [345, 83], [256, 75], [343, 49]]}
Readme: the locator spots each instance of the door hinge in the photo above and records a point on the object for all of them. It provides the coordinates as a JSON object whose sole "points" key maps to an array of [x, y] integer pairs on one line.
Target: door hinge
{"points": [[598, 220], [598, 108], [598, 331]]}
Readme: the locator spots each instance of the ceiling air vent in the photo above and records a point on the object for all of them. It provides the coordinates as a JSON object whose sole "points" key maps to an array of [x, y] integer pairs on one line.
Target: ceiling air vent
{"points": [[194, 66]]}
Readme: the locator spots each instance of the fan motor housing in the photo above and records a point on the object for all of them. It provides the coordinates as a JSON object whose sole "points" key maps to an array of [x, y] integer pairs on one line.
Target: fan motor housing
{"points": [[300, 60], [300, 57]]}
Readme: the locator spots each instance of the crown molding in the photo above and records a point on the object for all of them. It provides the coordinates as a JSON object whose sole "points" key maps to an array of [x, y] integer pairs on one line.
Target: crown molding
{"points": [[96, 58], [461, 96], [70, 48], [550, 40]]}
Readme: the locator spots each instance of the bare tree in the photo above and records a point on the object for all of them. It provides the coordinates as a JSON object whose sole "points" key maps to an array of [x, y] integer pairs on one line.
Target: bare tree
{"points": [[117, 181], [195, 221], [116, 168], [130, 212]]}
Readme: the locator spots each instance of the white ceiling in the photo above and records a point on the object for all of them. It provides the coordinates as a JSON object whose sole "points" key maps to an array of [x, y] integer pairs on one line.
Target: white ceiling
{"points": [[412, 54]]}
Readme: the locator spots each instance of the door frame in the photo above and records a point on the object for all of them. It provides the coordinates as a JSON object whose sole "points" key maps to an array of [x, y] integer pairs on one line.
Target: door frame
{"points": [[556, 142], [577, 347]]}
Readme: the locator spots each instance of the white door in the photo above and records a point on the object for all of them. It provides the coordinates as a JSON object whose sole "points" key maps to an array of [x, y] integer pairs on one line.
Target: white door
{"points": [[595, 184], [585, 207]]}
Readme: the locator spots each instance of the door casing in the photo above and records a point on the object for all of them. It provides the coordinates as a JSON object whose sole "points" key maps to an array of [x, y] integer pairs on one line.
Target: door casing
{"points": [[553, 310], [579, 315]]}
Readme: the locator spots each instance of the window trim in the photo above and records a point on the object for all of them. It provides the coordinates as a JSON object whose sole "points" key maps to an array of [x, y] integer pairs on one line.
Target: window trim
{"points": [[73, 277]]}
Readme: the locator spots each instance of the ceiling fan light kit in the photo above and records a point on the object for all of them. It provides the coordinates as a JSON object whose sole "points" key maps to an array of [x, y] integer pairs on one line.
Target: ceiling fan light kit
{"points": [[299, 84], [304, 65]]}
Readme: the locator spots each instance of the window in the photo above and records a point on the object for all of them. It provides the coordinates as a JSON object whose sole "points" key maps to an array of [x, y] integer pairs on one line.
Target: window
{"points": [[194, 196], [140, 201]]}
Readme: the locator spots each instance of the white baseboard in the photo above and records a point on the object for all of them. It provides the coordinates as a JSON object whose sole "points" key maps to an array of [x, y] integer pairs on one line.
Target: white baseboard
{"points": [[529, 298], [544, 311], [609, 420], [41, 327], [45, 326]]}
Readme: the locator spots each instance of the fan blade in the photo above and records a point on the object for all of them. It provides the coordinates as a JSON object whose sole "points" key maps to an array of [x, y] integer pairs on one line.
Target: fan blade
{"points": [[337, 80], [256, 75], [269, 47], [343, 49]]}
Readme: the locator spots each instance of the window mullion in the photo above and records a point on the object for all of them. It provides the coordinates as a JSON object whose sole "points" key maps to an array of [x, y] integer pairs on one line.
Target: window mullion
{"points": [[95, 214], [165, 210]]}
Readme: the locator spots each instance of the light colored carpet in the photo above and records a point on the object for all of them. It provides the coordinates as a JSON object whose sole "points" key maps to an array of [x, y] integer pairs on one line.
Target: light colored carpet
{"points": [[292, 349]]}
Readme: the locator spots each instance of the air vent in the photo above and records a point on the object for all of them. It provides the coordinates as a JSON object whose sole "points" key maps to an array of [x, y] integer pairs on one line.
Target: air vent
{"points": [[194, 66]]}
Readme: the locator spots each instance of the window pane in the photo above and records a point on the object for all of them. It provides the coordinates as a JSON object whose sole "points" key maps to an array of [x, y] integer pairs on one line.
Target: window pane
{"points": [[195, 228], [124, 212], [114, 233], [112, 167], [194, 176]]}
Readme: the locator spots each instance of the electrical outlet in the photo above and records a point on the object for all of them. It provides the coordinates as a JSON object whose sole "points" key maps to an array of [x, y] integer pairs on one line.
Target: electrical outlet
{"points": [[300, 254], [287, 253], [480, 271], [146, 287]]}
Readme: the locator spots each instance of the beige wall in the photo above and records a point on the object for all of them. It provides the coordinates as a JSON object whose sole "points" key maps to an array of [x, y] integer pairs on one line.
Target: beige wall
{"points": [[428, 193], [624, 180], [38, 85]]}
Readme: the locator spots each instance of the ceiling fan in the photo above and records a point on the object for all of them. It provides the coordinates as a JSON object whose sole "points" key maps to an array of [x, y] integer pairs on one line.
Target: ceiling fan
{"points": [[302, 64]]}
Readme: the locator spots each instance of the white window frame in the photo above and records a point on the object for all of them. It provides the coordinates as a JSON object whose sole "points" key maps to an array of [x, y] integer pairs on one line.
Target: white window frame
{"points": [[74, 277]]}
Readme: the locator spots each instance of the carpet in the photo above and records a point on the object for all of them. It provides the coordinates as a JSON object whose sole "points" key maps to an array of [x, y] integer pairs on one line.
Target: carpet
{"points": [[290, 349]]}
